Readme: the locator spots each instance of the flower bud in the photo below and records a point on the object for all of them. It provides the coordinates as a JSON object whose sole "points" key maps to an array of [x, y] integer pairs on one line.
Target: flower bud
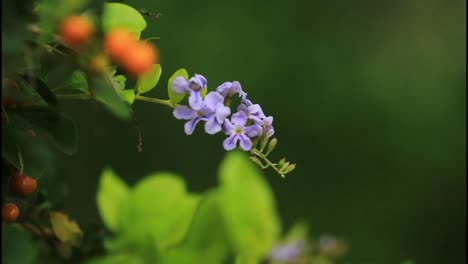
{"points": [[256, 161], [271, 146]]}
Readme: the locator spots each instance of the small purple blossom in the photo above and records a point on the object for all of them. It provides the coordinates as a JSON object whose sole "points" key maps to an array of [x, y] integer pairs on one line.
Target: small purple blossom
{"points": [[212, 110], [193, 86], [228, 89], [238, 131], [288, 252], [255, 112]]}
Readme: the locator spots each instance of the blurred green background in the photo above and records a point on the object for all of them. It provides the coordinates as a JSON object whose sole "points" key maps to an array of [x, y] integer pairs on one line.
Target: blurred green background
{"points": [[368, 98]]}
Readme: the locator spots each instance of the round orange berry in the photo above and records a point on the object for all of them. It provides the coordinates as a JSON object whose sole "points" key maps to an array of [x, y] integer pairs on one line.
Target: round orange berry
{"points": [[140, 58], [10, 212], [23, 185], [118, 42], [76, 30]]}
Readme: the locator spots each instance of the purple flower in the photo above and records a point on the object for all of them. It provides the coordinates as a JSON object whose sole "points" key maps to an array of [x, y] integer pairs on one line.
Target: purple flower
{"points": [[212, 110], [267, 126], [289, 252], [192, 86], [229, 89], [238, 131], [255, 112]]}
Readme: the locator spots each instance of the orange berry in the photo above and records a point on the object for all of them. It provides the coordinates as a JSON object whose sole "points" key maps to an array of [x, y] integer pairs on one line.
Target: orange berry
{"points": [[118, 42], [76, 30], [140, 58], [10, 212], [23, 185]]}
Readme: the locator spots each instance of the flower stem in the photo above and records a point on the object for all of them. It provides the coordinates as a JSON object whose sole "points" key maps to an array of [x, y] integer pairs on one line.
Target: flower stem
{"points": [[269, 163], [155, 101], [87, 96]]}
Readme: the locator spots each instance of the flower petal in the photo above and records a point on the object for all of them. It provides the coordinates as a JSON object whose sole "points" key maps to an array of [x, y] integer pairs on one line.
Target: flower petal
{"points": [[195, 100], [223, 89], [190, 125], [239, 119], [180, 85], [268, 120], [212, 99], [244, 108], [197, 82], [222, 112], [212, 126], [236, 88], [230, 142], [245, 142], [270, 131], [253, 130], [184, 112], [228, 127]]}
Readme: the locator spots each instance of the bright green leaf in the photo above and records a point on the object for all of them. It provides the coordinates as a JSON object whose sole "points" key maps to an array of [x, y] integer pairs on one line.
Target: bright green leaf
{"points": [[120, 80], [121, 258], [172, 95], [148, 81], [204, 91], [160, 207], [248, 207], [117, 15], [207, 234], [112, 193], [128, 96]]}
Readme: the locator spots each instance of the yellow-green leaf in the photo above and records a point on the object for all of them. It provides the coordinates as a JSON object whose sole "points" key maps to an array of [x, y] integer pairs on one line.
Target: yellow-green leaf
{"points": [[66, 230]]}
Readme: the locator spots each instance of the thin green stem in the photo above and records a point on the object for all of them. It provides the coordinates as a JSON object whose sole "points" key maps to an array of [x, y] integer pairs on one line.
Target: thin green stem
{"points": [[86, 96], [269, 163], [156, 101]]}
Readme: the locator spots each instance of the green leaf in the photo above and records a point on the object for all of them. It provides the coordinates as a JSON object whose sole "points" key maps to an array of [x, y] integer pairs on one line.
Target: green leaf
{"points": [[128, 96], [61, 74], [207, 234], [112, 193], [76, 81], [17, 246], [204, 91], [35, 153], [66, 230], [148, 81], [159, 207], [186, 255], [117, 15], [121, 258], [120, 80], [172, 95], [41, 88], [248, 207], [61, 129], [106, 93]]}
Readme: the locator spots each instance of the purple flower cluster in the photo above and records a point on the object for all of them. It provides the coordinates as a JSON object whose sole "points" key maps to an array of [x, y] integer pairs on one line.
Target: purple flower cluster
{"points": [[247, 123]]}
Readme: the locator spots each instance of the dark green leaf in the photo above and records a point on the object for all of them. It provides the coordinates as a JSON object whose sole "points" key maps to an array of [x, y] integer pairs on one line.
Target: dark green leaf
{"points": [[41, 88], [17, 246], [106, 93]]}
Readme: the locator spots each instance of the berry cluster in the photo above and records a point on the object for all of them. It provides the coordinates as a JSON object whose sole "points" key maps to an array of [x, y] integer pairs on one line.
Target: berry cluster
{"points": [[136, 57], [20, 185]]}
